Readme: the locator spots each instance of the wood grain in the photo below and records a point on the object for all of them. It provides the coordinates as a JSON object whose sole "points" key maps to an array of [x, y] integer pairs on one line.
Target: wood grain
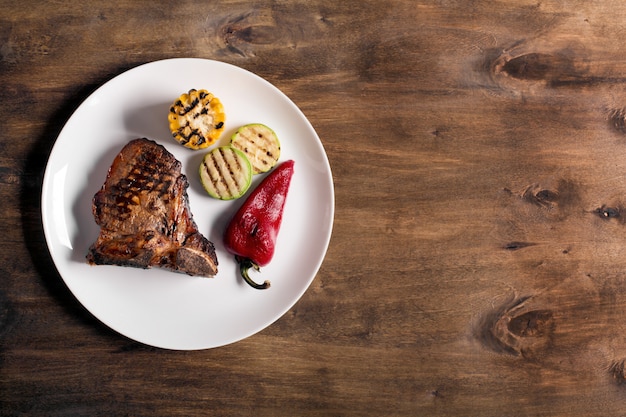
{"points": [[478, 252]]}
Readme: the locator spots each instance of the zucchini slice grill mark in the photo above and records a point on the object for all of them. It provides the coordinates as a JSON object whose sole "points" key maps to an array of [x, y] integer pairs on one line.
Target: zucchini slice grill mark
{"points": [[225, 173], [260, 144]]}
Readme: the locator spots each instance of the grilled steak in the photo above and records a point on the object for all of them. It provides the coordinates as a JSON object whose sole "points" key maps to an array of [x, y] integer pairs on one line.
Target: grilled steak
{"points": [[143, 213]]}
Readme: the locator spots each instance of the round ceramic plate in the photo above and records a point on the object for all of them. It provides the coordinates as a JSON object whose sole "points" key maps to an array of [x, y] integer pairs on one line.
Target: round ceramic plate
{"points": [[166, 309]]}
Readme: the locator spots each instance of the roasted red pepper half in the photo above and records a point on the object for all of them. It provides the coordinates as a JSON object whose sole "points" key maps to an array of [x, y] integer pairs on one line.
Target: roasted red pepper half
{"points": [[252, 232]]}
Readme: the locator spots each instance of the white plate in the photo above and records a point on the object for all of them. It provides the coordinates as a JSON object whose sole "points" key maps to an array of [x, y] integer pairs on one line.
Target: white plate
{"points": [[166, 309]]}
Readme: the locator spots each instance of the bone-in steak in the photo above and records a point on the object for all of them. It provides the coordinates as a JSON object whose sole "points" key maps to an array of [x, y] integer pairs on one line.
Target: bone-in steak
{"points": [[143, 213]]}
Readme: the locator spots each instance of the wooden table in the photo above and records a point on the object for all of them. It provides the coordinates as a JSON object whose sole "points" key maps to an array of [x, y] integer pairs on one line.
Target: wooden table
{"points": [[477, 265]]}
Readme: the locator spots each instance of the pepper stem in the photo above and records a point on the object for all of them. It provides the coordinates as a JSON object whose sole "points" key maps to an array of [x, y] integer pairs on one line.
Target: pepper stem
{"points": [[244, 265]]}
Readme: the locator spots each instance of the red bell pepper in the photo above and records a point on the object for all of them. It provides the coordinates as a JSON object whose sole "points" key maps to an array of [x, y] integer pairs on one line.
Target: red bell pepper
{"points": [[251, 234]]}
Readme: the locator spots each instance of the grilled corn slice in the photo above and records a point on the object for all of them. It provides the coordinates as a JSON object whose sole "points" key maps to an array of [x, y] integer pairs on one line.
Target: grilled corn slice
{"points": [[259, 143], [196, 119], [225, 173]]}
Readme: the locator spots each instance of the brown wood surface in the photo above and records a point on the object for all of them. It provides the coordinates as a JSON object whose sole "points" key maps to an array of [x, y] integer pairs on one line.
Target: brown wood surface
{"points": [[478, 260]]}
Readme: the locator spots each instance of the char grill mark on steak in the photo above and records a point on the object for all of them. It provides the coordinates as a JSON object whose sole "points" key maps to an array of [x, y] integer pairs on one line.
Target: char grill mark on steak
{"points": [[143, 213]]}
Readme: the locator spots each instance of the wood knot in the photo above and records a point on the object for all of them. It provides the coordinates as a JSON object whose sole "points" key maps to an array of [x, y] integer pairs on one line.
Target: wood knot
{"points": [[259, 34], [557, 200], [541, 197], [617, 119], [616, 370], [553, 67], [517, 245], [516, 329], [607, 213], [242, 32], [531, 66], [531, 324]]}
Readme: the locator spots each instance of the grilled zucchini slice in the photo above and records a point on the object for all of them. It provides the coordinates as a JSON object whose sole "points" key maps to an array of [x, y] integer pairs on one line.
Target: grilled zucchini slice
{"points": [[196, 119], [225, 173], [259, 143]]}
